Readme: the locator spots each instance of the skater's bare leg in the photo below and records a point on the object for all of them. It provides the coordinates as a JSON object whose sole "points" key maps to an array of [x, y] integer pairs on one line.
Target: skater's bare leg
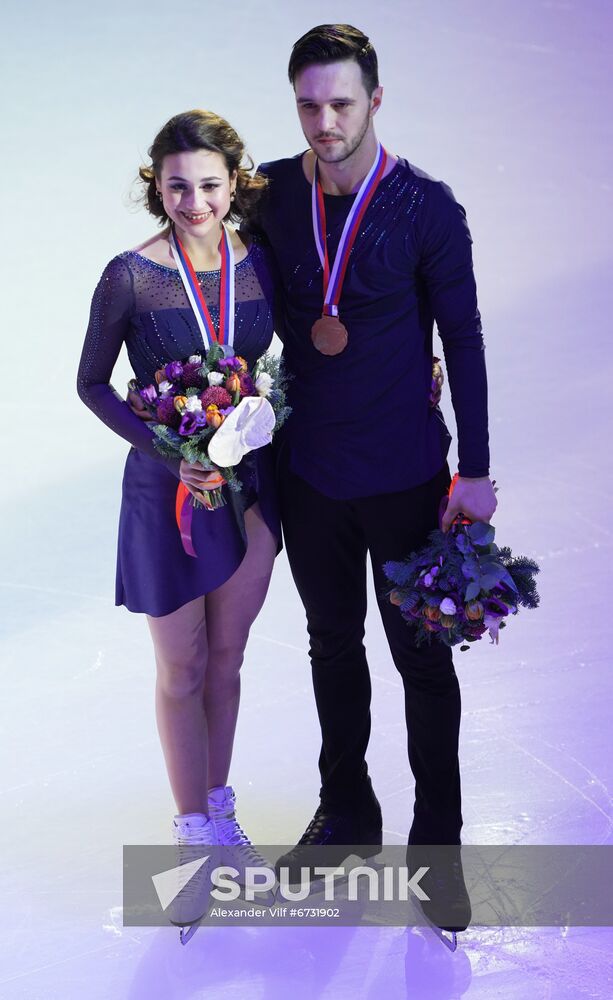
{"points": [[180, 644], [230, 613]]}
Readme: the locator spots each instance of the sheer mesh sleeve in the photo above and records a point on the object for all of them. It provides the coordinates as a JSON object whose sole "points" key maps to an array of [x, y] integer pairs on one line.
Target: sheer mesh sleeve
{"points": [[108, 324]]}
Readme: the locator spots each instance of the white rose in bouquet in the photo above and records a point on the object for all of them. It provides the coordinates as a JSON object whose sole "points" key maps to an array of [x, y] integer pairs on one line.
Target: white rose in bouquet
{"points": [[263, 384]]}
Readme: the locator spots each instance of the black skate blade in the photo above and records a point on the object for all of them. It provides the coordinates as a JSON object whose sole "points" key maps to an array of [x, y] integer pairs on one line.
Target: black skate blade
{"points": [[187, 932], [450, 942]]}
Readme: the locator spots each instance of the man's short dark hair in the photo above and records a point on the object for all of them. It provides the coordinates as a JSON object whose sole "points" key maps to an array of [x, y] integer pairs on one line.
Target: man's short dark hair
{"points": [[333, 43]]}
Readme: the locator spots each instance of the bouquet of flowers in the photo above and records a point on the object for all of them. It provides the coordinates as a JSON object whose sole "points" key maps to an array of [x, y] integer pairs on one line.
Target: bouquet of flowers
{"points": [[211, 409], [461, 585]]}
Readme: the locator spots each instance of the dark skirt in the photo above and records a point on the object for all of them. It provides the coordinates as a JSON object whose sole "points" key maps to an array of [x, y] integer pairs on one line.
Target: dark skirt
{"points": [[154, 573]]}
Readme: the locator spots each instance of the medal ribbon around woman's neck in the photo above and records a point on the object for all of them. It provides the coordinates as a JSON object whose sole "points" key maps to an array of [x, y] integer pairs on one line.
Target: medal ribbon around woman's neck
{"points": [[224, 336], [328, 334], [210, 336]]}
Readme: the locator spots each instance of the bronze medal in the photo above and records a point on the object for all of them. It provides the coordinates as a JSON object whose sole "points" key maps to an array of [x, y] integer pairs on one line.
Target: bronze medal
{"points": [[329, 335]]}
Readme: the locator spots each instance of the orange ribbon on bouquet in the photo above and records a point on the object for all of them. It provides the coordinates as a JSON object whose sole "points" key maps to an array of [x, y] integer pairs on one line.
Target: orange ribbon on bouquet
{"points": [[183, 514], [184, 511], [459, 519]]}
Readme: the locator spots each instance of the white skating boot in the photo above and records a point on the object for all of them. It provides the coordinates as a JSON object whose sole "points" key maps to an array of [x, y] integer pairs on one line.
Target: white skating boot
{"points": [[190, 832], [237, 850]]}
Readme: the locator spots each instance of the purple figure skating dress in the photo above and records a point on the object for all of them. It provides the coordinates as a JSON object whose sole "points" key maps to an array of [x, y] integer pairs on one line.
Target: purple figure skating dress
{"points": [[143, 304]]}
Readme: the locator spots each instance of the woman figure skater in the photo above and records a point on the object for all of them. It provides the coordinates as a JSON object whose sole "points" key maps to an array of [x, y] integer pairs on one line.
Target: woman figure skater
{"points": [[199, 610]]}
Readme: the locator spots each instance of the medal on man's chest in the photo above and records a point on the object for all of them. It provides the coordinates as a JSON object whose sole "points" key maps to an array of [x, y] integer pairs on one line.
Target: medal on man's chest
{"points": [[328, 333]]}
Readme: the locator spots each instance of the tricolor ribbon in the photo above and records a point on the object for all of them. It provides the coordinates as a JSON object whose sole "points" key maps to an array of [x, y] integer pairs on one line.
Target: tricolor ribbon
{"points": [[333, 282], [224, 336], [210, 336]]}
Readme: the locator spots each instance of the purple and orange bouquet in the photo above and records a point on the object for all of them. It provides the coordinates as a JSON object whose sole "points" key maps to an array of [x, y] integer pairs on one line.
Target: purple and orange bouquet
{"points": [[212, 409], [461, 585]]}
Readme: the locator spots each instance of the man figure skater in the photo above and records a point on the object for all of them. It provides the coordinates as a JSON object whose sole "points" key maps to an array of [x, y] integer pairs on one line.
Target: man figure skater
{"points": [[362, 467]]}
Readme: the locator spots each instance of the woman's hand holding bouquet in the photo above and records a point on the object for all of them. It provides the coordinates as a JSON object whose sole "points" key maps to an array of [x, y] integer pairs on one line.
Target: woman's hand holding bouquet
{"points": [[210, 412]]}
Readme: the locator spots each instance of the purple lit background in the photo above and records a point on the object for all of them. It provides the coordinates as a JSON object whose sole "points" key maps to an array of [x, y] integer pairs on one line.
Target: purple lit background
{"points": [[509, 102]]}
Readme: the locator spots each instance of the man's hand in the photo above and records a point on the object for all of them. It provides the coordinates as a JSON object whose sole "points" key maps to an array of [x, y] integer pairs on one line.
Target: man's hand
{"points": [[475, 498], [137, 406]]}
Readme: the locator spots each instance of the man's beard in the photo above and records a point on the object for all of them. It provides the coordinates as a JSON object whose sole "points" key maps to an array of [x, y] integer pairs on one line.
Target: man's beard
{"points": [[348, 150]]}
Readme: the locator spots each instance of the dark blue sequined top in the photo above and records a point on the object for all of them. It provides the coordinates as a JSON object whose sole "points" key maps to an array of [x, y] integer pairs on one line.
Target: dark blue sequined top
{"points": [[144, 304], [361, 421]]}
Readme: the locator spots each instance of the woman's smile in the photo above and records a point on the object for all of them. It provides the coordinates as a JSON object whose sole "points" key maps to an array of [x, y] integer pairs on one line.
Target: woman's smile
{"points": [[195, 218]]}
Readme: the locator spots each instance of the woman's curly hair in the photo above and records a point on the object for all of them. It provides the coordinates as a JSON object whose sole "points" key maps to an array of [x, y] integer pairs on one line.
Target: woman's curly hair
{"points": [[198, 129]]}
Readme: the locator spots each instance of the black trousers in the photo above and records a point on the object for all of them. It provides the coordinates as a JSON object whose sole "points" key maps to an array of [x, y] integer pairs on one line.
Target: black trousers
{"points": [[328, 542]]}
